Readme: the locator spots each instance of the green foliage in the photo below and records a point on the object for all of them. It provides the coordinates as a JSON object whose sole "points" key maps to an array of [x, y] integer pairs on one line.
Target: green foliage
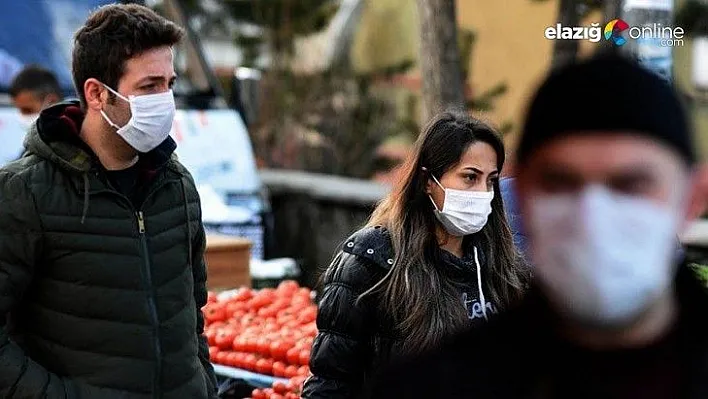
{"points": [[693, 18], [701, 272]]}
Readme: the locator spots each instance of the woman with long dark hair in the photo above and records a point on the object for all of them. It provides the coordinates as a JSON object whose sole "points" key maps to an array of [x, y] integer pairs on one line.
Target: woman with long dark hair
{"points": [[436, 257]]}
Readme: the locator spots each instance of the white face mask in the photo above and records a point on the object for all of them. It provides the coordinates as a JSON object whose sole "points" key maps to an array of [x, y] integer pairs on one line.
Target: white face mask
{"points": [[604, 258], [27, 120], [464, 212], [150, 122]]}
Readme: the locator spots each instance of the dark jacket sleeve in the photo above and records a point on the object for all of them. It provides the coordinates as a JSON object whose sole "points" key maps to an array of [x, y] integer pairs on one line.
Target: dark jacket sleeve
{"points": [[200, 298], [342, 351], [20, 249]]}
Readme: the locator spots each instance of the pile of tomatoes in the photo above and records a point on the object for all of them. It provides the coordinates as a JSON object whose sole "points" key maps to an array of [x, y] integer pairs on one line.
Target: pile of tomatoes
{"points": [[268, 331], [281, 390]]}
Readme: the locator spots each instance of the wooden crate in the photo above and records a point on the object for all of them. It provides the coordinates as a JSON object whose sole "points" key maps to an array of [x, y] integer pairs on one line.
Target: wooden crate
{"points": [[227, 259]]}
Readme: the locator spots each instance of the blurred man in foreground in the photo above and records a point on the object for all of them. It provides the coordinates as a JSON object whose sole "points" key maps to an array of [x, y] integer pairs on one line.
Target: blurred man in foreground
{"points": [[606, 180], [33, 89]]}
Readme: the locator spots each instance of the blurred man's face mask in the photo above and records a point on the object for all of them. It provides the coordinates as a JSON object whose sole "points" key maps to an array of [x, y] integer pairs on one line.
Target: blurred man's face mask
{"points": [[603, 257]]}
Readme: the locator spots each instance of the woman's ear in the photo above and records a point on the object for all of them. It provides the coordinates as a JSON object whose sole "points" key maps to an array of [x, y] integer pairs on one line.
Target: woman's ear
{"points": [[428, 181]]}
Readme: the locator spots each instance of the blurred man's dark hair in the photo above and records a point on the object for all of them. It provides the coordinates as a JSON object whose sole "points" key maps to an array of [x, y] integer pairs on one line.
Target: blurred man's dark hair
{"points": [[133, 30], [34, 88]]}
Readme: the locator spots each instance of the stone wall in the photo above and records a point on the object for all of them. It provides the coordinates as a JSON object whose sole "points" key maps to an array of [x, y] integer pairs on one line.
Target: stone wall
{"points": [[314, 213]]}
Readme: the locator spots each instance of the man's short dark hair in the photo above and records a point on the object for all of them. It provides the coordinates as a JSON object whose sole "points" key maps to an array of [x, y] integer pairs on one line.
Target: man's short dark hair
{"points": [[112, 35], [35, 79]]}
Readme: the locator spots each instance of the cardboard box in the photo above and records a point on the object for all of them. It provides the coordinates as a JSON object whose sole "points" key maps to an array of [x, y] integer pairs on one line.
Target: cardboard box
{"points": [[227, 259]]}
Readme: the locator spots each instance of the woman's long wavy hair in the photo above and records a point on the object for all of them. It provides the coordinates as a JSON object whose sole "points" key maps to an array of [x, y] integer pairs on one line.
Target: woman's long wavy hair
{"points": [[424, 304]]}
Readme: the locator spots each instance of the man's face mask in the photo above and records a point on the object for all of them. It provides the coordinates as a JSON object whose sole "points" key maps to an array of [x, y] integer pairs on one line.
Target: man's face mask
{"points": [[150, 122], [603, 257]]}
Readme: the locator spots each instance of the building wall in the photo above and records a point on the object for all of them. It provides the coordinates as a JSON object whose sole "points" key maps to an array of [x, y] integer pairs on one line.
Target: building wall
{"points": [[510, 48]]}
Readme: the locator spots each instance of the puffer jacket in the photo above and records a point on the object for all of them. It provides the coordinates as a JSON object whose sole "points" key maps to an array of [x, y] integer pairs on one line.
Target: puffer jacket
{"points": [[355, 341], [102, 297]]}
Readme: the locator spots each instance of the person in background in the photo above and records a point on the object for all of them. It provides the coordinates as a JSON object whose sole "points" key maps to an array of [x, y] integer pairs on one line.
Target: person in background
{"points": [[436, 257], [507, 186], [33, 89], [606, 179], [101, 256]]}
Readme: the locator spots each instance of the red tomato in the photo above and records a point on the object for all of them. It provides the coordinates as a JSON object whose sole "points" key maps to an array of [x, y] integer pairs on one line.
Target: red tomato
{"points": [[213, 350], [233, 307], [263, 346], [214, 312], [299, 381], [279, 369], [303, 371], [284, 320], [280, 387], [291, 395], [265, 366], [293, 355], [267, 312], [211, 297], [238, 359], [291, 371], [243, 295], [276, 396], [225, 339], [240, 344], [279, 349], [231, 359], [210, 335], [288, 285], [249, 362], [258, 394], [304, 357], [220, 357], [308, 315], [252, 345]]}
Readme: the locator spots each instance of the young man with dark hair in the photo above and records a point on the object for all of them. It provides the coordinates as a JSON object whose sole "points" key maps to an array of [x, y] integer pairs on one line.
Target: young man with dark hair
{"points": [[606, 180], [102, 275], [33, 89]]}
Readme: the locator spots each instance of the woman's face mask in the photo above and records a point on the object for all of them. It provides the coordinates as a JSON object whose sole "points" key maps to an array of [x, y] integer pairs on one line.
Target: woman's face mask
{"points": [[150, 122], [464, 212]]}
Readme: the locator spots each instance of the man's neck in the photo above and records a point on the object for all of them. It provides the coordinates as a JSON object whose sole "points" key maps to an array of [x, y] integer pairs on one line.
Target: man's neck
{"points": [[653, 325], [110, 149]]}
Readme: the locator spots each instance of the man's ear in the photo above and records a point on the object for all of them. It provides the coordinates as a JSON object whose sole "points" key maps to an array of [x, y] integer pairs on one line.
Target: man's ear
{"points": [[698, 199], [94, 93]]}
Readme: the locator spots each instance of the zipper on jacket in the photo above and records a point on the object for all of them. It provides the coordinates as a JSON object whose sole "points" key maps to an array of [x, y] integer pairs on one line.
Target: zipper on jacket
{"points": [[151, 303]]}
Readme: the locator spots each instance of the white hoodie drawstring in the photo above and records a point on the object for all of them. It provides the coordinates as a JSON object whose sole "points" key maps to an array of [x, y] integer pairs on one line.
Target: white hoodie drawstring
{"points": [[479, 284]]}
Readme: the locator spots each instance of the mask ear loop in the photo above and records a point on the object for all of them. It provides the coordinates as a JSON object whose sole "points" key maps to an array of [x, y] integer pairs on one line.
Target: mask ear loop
{"points": [[438, 183], [110, 122]]}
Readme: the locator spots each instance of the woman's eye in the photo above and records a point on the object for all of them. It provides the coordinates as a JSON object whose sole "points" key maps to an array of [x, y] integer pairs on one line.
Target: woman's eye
{"points": [[471, 178], [148, 87]]}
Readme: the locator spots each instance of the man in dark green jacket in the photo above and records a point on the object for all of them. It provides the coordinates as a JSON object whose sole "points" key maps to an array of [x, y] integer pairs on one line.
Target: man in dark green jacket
{"points": [[101, 243]]}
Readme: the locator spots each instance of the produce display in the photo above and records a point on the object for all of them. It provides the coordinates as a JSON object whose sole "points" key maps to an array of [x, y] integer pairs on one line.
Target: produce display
{"points": [[281, 390], [268, 331]]}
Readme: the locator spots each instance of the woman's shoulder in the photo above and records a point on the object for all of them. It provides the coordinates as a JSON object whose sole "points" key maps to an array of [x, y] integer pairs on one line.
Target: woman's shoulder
{"points": [[364, 256], [372, 244]]}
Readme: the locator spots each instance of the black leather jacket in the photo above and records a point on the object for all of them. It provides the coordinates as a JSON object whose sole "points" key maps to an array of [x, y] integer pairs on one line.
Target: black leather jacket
{"points": [[355, 340]]}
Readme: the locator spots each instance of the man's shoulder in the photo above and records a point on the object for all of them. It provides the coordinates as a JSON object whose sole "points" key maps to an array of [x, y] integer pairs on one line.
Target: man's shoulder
{"points": [[28, 168]]}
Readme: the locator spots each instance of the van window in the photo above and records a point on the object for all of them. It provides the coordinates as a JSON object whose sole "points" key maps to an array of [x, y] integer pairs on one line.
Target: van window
{"points": [[41, 32]]}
